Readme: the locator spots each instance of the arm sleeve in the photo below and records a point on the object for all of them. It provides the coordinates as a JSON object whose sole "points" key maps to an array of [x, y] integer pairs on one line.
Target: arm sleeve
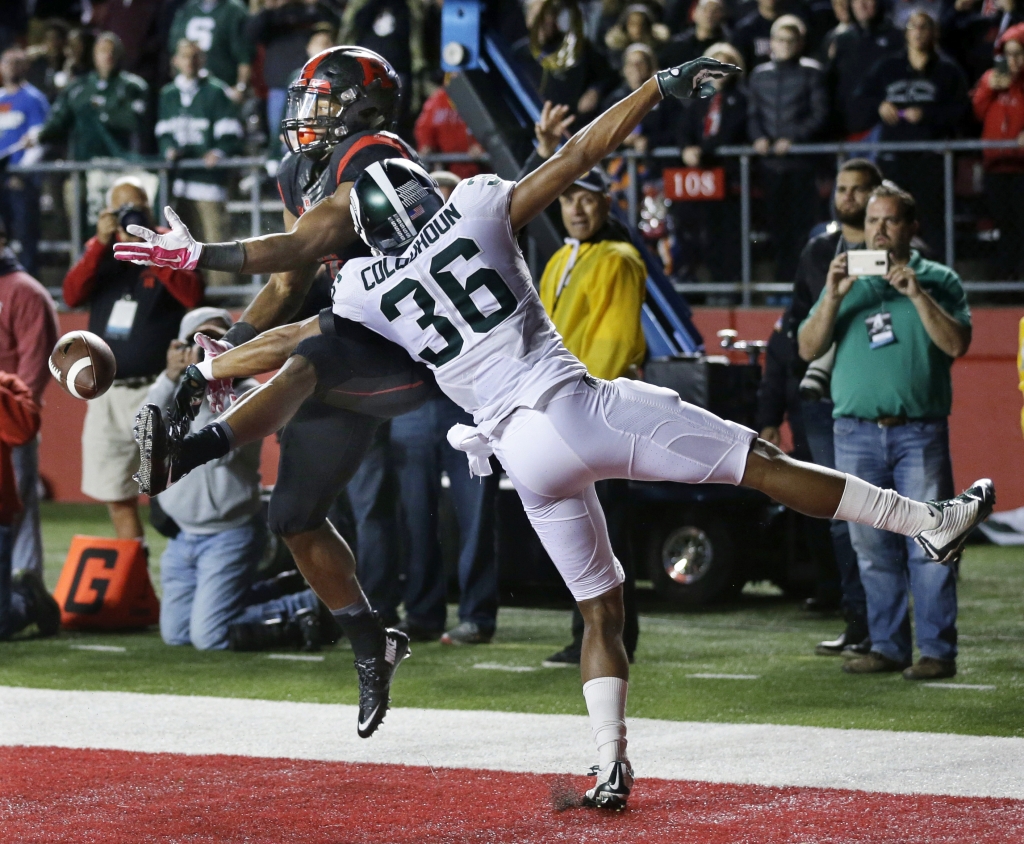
{"points": [[184, 285], [81, 278], [614, 339], [19, 415], [424, 131], [35, 330], [241, 46], [227, 128], [164, 135], [58, 121], [755, 129], [952, 101], [983, 96], [869, 95]]}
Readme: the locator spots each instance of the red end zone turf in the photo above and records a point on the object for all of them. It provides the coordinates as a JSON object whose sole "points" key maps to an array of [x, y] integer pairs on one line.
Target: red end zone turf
{"points": [[55, 795]]}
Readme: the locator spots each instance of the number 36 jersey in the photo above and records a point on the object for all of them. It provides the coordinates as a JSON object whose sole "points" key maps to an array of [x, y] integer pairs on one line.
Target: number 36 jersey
{"points": [[460, 299]]}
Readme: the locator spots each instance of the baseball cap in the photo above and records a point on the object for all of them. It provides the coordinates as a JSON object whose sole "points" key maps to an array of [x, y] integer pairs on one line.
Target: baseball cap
{"points": [[594, 180]]}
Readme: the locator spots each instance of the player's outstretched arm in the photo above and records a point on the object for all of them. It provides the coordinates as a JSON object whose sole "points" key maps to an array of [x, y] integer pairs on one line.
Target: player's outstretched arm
{"points": [[323, 230], [262, 354], [604, 135]]}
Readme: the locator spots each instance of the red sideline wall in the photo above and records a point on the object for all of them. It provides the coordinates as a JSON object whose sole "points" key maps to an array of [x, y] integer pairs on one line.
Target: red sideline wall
{"points": [[984, 428]]}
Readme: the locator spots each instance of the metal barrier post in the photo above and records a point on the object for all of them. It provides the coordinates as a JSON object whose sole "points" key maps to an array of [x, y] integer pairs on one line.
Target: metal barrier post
{"points": [[164, 193], [256, 214], [76, 215], [745, 227], [634, 190], [947, 167]]}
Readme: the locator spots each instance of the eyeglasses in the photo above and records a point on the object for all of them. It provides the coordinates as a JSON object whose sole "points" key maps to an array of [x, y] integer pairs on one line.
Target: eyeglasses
{"points": [[1014, 54]]}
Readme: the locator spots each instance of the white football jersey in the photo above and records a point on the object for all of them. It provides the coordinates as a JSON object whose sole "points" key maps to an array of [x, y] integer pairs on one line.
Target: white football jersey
{"points": [[461, 300]]}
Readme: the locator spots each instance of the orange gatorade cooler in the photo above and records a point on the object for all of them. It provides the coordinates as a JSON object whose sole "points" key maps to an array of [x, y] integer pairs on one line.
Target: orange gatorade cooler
{"points": [[105, 585]]}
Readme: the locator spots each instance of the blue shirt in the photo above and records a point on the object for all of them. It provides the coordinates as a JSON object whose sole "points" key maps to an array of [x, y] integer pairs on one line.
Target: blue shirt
{"points": [[19, 112]]}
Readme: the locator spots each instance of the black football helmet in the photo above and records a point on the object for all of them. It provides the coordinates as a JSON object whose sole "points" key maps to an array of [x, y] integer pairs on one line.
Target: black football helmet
{"points": [[391, 201], [339, 91]]}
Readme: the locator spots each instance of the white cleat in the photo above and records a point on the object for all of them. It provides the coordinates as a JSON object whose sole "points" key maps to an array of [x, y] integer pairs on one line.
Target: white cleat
{"points": [[945, 543]]}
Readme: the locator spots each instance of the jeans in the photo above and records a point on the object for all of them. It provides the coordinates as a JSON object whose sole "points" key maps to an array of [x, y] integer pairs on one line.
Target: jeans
{"points": [[13, 609], [277, 101], [914, 460], [818, 425], [421, 452], [205, 581], [19, 206], [373, 508], [28, 534]]}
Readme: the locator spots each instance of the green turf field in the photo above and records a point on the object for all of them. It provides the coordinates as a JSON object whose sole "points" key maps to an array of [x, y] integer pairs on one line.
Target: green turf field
{"points": [[762, 635]]}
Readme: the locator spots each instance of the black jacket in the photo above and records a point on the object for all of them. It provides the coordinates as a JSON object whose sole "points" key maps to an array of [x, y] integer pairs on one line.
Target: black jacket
{"points": [[731, 129], [856, 50], [284, 32], [787, 100], [940, 90]]}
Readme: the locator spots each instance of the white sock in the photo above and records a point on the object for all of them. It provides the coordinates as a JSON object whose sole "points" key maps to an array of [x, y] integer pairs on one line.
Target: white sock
{"points": [[606, 703], [884, 509]]}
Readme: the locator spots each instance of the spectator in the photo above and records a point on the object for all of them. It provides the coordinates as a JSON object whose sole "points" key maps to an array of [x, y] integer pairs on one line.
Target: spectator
{"points": [[28, 333], [593, 289], [562, 65], [78, 59], [199, 120], [137, 24], [892, 392], [209, 566], [999, 105], [752, 35], [24, 109], [394, 30], [844, 20], [439, 128], [99, 114], [636, 25], [46, 60], [920, 95], [23, 600], [708, 124], [856, 179], [901, 11], [137, 310], [693, 43], [869, 38], [218, 28], [284, 28], [971, 28], [788, 104]]}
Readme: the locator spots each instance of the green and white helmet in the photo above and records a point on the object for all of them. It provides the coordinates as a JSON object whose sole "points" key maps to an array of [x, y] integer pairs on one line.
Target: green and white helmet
{"points": [[391, 201]]}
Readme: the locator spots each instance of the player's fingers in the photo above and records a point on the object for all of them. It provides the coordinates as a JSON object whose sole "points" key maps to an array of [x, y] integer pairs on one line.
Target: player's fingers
{"points": [[174, 221], [141, 231]]}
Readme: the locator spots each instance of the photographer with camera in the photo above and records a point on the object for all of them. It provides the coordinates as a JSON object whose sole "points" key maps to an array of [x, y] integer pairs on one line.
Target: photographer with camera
{"points": [[137, 310], [898, 327]]}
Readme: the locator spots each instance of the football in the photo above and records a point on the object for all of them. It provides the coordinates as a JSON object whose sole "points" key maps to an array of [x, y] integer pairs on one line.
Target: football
{"points": [[83, 364]]}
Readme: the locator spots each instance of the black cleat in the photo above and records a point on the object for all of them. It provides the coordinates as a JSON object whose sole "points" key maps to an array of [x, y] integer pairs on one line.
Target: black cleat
{"points": [[42, 608], [959, 516], [155, 451], [375, 676], [614, 782]]}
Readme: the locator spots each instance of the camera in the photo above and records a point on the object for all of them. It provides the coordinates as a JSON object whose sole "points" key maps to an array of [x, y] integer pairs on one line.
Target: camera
{"points": [[131, 215]]}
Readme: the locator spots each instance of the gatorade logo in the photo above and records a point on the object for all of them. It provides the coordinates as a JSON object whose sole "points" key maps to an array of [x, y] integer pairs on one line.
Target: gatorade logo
{"points": [[87, 598]]}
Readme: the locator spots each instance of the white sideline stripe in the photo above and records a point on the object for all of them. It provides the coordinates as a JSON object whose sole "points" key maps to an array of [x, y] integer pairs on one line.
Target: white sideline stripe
{"points": [[975, 686], [898, 763], [107, 649], [296, 657], [497, 666], [725, 676]]}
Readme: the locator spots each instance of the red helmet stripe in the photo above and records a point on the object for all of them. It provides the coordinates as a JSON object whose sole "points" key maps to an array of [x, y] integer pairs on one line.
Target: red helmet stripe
{"points": [[363, 143], [309, 68], [373, 69]]}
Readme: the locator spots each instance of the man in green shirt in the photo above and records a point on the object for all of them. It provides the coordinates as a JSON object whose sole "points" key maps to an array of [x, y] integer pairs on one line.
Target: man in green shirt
{"points": [[218, 28], [896, 338], [99, 114]]}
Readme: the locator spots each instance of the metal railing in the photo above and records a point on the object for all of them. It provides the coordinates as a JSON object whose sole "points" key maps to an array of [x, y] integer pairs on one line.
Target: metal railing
{"points": [[745, 286]]}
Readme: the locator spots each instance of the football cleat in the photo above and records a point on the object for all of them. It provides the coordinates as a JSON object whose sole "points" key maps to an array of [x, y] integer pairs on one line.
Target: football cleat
{"points": [[155, 451], [958, 517], [614, 782], [375, 676]]}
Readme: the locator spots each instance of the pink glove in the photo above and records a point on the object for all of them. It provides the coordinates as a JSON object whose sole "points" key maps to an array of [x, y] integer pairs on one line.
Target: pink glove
{"points": [[218, 390], [177, 249]]}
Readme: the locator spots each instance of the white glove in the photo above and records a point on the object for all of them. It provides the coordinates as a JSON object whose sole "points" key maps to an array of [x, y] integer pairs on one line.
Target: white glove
{"points": [[177, 249], [218, 390]]}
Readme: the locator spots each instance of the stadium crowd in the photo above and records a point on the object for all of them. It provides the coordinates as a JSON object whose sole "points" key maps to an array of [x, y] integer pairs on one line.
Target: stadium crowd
{"points": [[93, 80]]}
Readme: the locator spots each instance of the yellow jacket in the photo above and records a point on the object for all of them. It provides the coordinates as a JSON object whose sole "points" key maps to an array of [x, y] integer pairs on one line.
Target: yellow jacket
{"points": [[597, 311]]}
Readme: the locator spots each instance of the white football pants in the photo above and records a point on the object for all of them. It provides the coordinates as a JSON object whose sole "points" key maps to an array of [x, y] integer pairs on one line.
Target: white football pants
{"points": [[592, 430]]}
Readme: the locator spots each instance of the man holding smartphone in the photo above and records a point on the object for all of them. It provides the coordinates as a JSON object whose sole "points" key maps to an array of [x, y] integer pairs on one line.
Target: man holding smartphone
{"points": [[896, 337]]}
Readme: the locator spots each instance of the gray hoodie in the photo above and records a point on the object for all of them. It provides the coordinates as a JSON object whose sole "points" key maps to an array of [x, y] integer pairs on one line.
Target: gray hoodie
{"points": [[222, 495]]}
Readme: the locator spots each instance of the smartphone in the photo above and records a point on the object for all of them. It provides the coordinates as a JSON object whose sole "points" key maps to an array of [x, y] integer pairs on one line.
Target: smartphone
{"points": [[1001, 66], [867, 262]]}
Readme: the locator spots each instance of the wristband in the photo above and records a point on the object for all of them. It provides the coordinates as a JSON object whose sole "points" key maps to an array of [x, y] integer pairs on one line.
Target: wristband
{"points": [[205, 368], [240, 332], [226, 257]]}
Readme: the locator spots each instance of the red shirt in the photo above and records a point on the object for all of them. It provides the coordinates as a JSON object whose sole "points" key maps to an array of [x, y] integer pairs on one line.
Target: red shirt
{"points": [[19, 422], [440, 129], [28, 330], [1002, 117]]}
